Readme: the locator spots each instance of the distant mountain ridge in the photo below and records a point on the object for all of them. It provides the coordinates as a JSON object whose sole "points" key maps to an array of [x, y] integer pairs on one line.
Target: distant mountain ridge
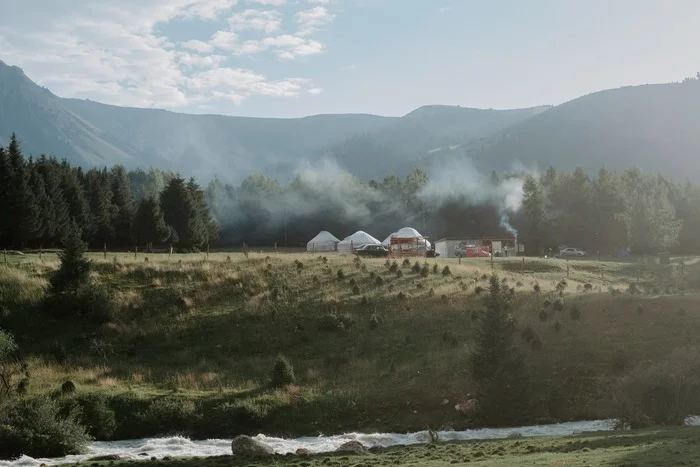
{"points": [[656, 127]]}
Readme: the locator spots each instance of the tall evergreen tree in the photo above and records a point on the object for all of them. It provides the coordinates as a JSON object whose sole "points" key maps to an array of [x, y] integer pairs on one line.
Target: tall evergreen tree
{"points": [[535, 231], [181, 213], [6, 201], [124, 204], [24, 212], [149, 225], [56, 218], [78, 206], [208, 222], [99, 194], [496, 364]]}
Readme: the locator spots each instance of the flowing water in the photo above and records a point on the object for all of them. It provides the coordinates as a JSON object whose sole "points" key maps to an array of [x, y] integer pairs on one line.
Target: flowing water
{"points": [[183, 447]]}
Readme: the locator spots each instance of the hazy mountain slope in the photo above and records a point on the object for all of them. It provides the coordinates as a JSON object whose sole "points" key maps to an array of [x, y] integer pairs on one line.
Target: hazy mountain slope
{"points": [[89, 133], [425, 131], [655, 127]]}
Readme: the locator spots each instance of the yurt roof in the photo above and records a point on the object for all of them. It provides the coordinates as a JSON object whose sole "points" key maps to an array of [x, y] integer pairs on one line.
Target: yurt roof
{"points": [[324, 237], [361, 238]]}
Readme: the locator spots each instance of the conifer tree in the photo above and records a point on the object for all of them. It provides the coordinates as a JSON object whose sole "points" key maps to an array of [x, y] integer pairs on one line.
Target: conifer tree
{"points": [[149, 225], [181, 213], [496, 364]]}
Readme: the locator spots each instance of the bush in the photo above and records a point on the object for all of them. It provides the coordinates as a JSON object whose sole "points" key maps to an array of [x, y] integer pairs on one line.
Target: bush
{"points": [[446, 271], [478, 290], [406, 263], [661, 393], [282, 373], [374, 321], [546, 303], [379, 281], [575, 313], [587, 287], [561, 285], [558, 304], [169, 416], [91, 302], [399, 274], [340, 274], [640, 309], [425, 270], [394, 267], [416, 268], [401, 296], [36, 428], [536, 288], [435, 269], [543, 315], [557, 326], [528, 334], [68, 387], [95, 414], [356, 289]]}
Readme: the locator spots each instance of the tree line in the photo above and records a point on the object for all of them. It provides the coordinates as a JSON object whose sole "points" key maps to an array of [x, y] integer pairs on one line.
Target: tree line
{"points": [[42, 199]]}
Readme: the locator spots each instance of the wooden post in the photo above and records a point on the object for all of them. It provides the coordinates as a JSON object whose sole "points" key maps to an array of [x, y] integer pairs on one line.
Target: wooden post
{"points": [[41, 253], [4, 253], [459, 259], [170, 252], [207, 251], [567, 268], [522, 271], [492, 252], [136, 251], [104, 250]]}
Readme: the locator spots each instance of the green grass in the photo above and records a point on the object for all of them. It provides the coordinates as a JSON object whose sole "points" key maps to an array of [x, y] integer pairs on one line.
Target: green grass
{"points": [[384, 359], [636, 448]]}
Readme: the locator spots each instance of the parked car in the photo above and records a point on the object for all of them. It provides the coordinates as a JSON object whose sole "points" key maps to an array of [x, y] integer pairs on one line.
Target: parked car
{"points": [[469, 250], [571, 252], [371, 251]]}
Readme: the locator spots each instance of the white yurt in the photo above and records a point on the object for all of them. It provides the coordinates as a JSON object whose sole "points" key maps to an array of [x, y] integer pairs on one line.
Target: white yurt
{"points": [[355, 240], [407, 232], [324, 241]]}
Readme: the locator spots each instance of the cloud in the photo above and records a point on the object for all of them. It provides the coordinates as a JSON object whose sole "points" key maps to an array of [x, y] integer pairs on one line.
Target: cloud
{"points": [[117, 53], [310, 20], [320, 2], [257, 20], [445, 9], [269, 2], [197, 46], [315, 91]]}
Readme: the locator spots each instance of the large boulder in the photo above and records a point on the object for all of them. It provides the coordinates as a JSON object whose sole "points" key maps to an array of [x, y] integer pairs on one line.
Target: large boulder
{"points": [[353, 447], [246, 446]]}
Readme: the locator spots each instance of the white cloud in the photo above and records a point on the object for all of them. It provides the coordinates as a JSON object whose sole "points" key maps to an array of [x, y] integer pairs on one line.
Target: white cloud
{"points": [[285, 46], [310, 20], [320, 2], [315, 91], [257, 20], [117, 54], [269, 2], [198, 46]]}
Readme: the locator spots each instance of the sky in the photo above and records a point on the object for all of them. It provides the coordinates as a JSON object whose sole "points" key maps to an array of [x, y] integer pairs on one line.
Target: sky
{"points": [[291, 58]]}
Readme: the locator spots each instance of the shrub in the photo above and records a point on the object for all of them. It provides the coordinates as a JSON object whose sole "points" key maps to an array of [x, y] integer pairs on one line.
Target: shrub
{"points": [[587, 287], [557, 326], [478, 290], [543, 315], [68, 387], [374, 321], [518, 284], [660, 393], [406, 263], [379, 281], [36, 428], [401, 296], [640, 309], [446, 271], [416, 268], [394, 267], [546, 303], [282, 372], [340, 274], [372, 274], [425, 270], [95, 414], [168, 416], [436, 269], [561, 285], [399, 274], [431, 292], [575, 313], [536, 288], [528, 334], [558, 304], [356, 289], [352, 282], [633, 289], [364, 301]]}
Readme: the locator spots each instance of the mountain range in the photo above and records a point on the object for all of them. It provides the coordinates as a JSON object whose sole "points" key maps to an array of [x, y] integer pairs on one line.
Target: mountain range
{"points": [[655, 127]]}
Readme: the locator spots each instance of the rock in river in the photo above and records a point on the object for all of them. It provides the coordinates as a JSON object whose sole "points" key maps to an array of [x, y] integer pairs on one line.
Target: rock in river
{"points": [[246, 446], [353, 447]]}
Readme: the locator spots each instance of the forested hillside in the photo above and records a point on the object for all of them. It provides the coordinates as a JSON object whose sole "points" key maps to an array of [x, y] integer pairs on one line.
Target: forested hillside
{"points": [[42, 197]]}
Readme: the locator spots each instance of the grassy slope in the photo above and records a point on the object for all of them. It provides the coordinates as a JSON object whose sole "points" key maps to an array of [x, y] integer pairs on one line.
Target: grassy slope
{"points": [[211, 331], [636, 448]]}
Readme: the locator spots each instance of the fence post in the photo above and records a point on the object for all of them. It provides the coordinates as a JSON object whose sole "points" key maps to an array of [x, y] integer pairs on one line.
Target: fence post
{"points": [[522, 271], [41, 253], [4, 253], [170, 252], [104, 250], [567, 268], [207, 251], [136, 251]]}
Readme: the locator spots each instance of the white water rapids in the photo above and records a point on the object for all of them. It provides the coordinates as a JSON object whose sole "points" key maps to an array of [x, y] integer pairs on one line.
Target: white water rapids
{"points": [[183, 447]]}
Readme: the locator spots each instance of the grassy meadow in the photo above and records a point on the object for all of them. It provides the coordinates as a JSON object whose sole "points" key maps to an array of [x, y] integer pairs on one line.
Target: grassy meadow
{"points": [[374, 347]]}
